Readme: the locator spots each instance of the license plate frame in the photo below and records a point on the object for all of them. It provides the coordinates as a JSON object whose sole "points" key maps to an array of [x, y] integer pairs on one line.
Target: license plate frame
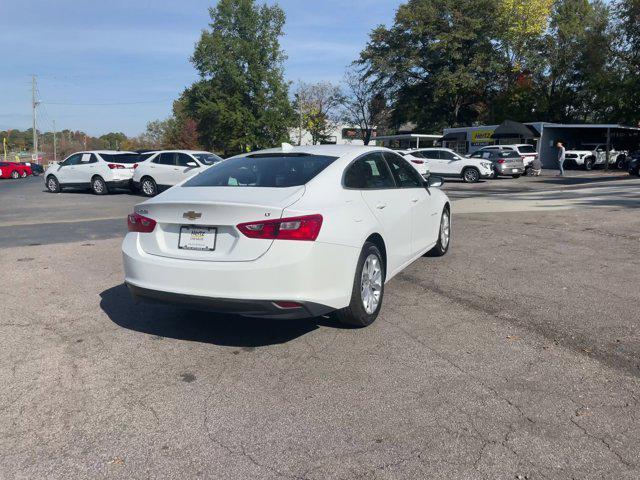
{"points": [[192, 243]]}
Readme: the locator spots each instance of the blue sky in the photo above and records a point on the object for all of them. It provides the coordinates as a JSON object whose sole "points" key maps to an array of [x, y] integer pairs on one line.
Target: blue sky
{"points": [[136, 52]]}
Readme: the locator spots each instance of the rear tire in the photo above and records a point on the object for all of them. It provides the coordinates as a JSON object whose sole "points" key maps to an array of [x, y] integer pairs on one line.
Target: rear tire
{"points": [[148, 187], [99, 186], [53, 185], [515, 176], [368, 289], [444, 235], [470, 175]]}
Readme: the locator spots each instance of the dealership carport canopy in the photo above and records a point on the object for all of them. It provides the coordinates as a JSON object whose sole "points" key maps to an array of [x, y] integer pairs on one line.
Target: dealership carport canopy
{"points": [[511, 129], [619, 137]]}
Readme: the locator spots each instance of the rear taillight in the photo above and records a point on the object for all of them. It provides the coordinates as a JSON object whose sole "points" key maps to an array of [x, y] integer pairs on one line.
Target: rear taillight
{"points": [[501, 160], [139, 223], [115, 166], [419, 162], [294, 228], [135, 165]]}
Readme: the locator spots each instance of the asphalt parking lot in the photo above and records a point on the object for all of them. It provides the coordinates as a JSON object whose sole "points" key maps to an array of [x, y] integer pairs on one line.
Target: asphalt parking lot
{"points": [[516, 355]]}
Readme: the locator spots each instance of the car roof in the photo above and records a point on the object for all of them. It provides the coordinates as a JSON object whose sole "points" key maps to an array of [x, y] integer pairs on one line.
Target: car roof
{"points": [[328, 150], [181, 151]]}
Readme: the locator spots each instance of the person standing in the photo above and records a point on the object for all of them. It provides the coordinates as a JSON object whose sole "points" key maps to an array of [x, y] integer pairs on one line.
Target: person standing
{"points": [[561, 151]]}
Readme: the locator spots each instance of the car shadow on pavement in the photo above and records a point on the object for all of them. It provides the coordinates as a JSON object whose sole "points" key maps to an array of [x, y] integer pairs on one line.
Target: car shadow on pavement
{"points": [[206, 327]]}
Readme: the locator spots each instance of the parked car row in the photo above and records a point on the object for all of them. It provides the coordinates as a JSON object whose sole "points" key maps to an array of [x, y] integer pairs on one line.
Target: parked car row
{"points": [[590, 158], [488, 162], [102, 171]]}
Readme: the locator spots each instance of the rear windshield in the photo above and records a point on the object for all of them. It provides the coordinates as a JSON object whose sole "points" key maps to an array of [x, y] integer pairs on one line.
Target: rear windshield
{"points": [[526, 149], [507, 154], [207, 158], [262, 170], [121, 157]]}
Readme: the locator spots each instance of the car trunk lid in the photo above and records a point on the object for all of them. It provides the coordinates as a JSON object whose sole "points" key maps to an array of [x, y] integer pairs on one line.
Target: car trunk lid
{"points": [[216, 211]]}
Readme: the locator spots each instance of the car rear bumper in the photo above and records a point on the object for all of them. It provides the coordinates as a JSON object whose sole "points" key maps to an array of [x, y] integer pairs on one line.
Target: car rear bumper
{"points": [[245, 307], [317, 275], [510, 171], [119, 183]]}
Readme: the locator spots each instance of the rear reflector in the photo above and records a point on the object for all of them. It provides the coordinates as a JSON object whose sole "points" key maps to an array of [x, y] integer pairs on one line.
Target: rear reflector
{"points": [[285, 305], [139, 223], [295, 228]]}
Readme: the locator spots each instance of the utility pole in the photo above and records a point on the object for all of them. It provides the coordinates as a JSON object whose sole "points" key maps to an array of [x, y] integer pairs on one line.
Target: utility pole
{"points": [[34, 104], [55, 151]]}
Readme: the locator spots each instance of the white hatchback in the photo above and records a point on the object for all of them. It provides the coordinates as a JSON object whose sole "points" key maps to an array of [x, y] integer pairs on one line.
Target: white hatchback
{"points": [[98, 170], [291, 232], [168, 167]]}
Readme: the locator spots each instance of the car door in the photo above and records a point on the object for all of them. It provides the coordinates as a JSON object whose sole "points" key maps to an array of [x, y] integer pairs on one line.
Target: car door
{"points": [[66, 170], [432, 159], [450, 163], [186, 167], [371, 175], [82, 172], [425, 219], [164, 169]]}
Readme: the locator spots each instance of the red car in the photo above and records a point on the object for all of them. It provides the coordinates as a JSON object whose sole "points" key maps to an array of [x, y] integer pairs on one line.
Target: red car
{"points": [[14, 170]]}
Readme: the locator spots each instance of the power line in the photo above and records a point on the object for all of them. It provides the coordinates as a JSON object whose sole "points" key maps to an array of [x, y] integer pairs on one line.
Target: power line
{"points": [[108, 104]]}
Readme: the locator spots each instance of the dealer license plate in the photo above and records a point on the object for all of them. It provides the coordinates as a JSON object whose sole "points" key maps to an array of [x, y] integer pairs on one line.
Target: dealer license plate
{"points": [[197, 238]]}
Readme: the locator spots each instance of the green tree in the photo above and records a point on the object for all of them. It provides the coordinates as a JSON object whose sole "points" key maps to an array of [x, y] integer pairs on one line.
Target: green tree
{"points": [[241, 100], [579, 54], [113, 140], [437, 62]]}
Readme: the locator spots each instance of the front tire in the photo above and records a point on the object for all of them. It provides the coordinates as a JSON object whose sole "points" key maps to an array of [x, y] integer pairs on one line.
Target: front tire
{"points": [[53, 185], [588, 163], [471, 175], [23, 174], [368, 289], [99, 186], [148, 187], [444, 235]]}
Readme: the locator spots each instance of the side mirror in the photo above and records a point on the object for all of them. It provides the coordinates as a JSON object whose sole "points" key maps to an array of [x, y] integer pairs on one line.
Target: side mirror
{"points": [[434, 181], [192, 164]]}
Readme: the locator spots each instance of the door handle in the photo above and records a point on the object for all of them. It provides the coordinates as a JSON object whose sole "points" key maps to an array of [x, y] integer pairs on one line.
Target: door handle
{"points": [[414, 200], [380, 206]]}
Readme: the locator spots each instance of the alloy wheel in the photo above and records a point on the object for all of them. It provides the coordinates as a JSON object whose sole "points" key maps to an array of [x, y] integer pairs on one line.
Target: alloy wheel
{"points": [[147, 187], [97, 186], [371, 283], [445, 230]]}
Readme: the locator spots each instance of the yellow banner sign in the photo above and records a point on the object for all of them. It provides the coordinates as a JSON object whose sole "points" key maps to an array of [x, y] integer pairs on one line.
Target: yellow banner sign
{"points": [[481, 136]]}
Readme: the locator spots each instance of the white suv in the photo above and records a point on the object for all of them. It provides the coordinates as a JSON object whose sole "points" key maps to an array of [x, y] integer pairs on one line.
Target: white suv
{"points": [[169, 167], [526, 151], [445, 162], [99, 170]]}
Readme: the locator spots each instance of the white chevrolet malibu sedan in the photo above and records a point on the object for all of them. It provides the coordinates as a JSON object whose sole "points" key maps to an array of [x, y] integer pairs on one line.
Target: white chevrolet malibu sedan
{"points": [[292, 232]]}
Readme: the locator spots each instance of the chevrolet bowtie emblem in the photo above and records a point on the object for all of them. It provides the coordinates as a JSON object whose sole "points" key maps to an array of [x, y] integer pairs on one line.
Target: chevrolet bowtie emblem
{"points": [[191, 215]]}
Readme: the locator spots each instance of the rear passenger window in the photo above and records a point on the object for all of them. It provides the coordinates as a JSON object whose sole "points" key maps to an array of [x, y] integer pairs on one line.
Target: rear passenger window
{"points": [[405, 175], [369, 172], [167, 158]]}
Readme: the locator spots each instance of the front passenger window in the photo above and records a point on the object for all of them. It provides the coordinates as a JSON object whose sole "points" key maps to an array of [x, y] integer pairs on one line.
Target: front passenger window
{"points": [[72, 160], [369, 172]]}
